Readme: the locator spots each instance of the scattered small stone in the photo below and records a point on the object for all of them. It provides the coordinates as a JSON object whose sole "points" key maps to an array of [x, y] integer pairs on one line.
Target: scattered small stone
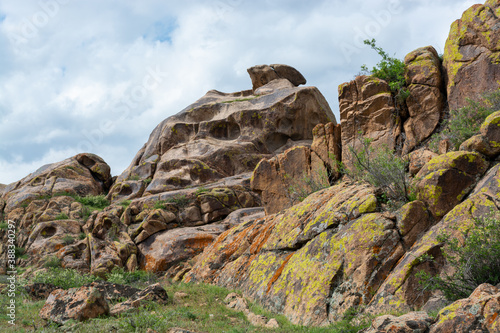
{"points": [[180, 294], [272, 323]]}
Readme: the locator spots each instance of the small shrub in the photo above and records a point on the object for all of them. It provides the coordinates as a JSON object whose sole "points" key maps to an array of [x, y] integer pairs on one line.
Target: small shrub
{"points": [[95, 202], [179, 200], [147, 181], [82, 236], [62, 216], [389, 69], [120, 276], [20, 253], [68, 239], [465, 122], [52, 262], [160, 205], [348, 324], [201, 190], [125, 203], [4, 225], [381, 168], [64, 278], [302, 188], [475, 261], [134, 177]]}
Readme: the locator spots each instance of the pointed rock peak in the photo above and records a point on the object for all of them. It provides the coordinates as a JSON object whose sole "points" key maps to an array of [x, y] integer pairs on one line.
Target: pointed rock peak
{"points": [[263, 74]]}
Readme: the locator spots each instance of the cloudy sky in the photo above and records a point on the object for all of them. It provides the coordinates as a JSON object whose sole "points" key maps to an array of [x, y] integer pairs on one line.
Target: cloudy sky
{"points": [[98, 76]]}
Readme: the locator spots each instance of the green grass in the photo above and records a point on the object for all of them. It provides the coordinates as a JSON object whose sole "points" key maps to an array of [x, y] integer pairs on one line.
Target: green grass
{"points": [[201, 190], [160, 204], [68, 239], [203, 310], [62, 216], [52, 262], [64, 278], [125, 203]]}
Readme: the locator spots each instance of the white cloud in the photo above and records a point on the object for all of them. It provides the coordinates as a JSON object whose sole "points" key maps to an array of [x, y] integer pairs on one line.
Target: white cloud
{"points": [[76, 75]]}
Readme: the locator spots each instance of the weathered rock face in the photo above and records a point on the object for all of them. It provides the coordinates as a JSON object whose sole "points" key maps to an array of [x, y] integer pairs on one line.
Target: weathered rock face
{"points": [[367, 107], [77, 304], [49, 223], [287, 178], [83, 174], [222, 135], [400, 290], [426, 100], [446, 179], [477, 313], [472, 54], [108, 241], [312, 261], [166, 249], [418, 158]]}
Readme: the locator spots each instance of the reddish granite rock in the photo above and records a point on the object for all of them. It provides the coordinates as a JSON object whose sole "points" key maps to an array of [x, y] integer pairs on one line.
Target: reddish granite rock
{"points": [[446, 179], [477, 313], [329, 249], [426, 100], [367, 107], [77, 304], [472, 54]]}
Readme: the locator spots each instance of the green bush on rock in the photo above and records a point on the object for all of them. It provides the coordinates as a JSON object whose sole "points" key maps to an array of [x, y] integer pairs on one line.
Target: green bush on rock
{"points": [[475, 261], [465, 122]]}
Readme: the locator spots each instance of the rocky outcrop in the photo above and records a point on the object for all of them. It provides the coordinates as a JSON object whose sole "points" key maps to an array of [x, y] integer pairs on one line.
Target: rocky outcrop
{"points": [[223, 135], [401, 290], [477, 313], [263, 74], [472, 54], [367, 110], [48, 219], [82, 175], [288, 178], [311, 262], [426, 101]]}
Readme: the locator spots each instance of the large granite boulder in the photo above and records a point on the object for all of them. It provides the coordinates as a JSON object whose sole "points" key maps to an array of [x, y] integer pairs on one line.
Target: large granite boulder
{"points": [[426, 101], [76, 304], [222, 135], [446, 179], [367, 110], [472, 54]]}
